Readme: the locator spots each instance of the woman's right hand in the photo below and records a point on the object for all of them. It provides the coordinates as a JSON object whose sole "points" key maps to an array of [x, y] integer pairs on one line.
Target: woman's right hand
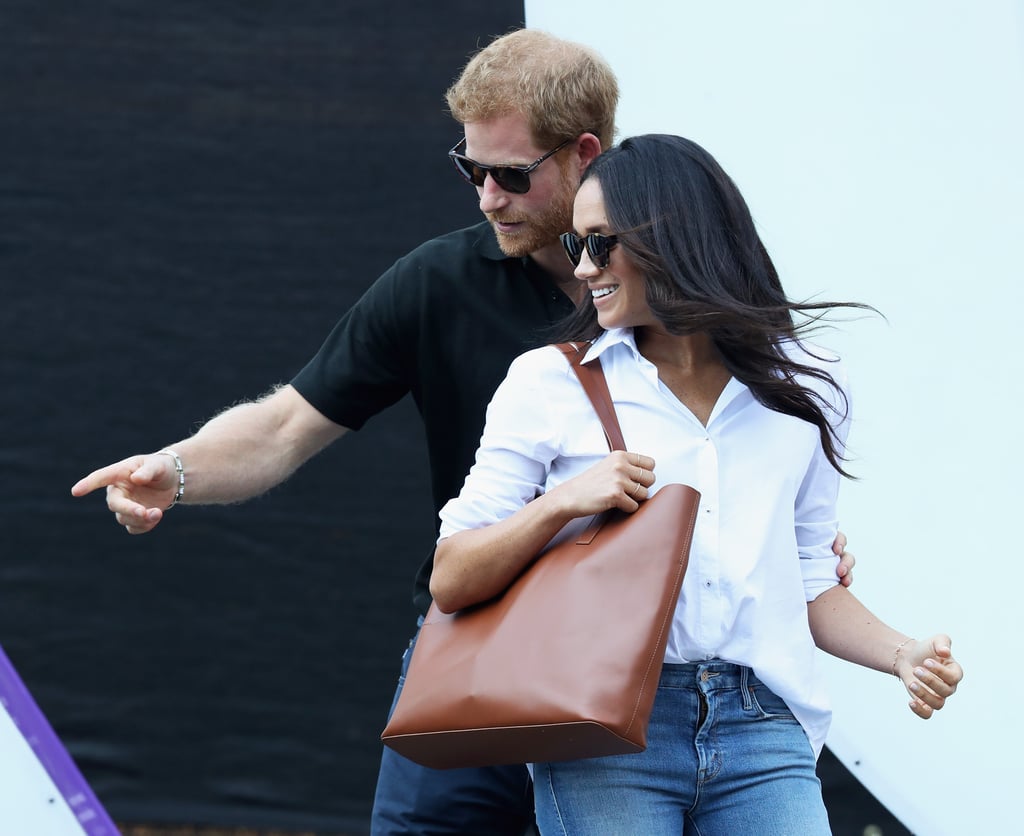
{"points": [[475, 564], [620, 480]]}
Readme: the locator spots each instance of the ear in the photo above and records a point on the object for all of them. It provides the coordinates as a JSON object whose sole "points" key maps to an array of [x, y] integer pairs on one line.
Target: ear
{"points": [[588, 147]]}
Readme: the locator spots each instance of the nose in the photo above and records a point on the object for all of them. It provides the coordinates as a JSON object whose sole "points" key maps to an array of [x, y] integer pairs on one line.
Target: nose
{"points": [[492, 196], [586, 269]]}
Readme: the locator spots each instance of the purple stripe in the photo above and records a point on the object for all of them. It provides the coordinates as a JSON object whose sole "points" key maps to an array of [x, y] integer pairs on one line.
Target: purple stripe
{"points": [[50, 752]]}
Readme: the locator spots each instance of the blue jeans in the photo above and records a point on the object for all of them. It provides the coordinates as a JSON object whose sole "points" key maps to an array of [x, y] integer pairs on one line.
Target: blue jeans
{"points": [[419, 801], [725, 757]]}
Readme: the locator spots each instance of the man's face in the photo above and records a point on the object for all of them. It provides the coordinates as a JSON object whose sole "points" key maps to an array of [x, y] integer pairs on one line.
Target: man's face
{"points": [[523, 223]]}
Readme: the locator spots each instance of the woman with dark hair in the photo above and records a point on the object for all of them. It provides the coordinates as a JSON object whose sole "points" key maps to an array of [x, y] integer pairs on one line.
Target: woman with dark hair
{"points": [[714, 385]]}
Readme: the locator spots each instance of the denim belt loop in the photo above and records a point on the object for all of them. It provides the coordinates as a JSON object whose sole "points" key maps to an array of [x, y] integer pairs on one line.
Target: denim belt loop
{"points": [[745, 688]]}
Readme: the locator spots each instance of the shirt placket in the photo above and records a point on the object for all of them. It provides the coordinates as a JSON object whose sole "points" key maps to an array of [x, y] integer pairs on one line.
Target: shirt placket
{"points": [[707, 548]]}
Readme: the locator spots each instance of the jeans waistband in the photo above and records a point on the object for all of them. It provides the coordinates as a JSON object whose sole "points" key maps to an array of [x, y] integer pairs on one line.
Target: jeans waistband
{"points": [[713, 675]]}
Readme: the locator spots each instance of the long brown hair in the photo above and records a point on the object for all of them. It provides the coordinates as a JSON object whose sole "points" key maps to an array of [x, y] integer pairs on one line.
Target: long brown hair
{"points": [[683, 222]]}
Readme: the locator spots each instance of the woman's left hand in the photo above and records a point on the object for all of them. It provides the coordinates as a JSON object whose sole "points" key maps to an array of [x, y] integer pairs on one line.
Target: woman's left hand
{"points": [[929, 672]]}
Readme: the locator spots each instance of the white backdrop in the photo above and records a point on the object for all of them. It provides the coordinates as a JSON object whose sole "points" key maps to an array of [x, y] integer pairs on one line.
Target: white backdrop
{"points": [[30, 803], [881, 149]]}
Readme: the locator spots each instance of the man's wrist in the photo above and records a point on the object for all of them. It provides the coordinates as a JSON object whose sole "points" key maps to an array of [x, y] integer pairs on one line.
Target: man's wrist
{"points": [[180, 469]]}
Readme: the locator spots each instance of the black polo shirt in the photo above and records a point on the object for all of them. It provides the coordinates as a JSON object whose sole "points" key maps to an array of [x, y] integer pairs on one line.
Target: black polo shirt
{"points": [[443, 323]]}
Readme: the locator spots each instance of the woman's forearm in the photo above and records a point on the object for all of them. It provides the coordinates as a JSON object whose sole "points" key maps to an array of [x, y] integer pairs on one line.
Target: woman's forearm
{"points": [[843, 626], [475, 565]]}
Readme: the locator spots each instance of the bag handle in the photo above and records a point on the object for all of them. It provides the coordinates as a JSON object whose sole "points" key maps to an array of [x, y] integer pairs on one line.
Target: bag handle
{"points": [[595, 384]]}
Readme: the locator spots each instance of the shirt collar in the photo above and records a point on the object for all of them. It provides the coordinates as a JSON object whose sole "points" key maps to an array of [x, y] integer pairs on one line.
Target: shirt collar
{"points": [[623, 339], [609, 339]]}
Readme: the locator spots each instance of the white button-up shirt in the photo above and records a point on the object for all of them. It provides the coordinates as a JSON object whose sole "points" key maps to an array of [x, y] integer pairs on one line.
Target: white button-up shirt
{"points": [[762, 546]]}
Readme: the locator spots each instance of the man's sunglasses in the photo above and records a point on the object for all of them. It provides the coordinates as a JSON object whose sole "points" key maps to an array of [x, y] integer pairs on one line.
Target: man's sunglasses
{"points": [[598, 246], [511, 178]]}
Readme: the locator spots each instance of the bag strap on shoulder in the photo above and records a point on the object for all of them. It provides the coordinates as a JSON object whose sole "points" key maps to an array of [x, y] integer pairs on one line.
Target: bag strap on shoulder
{"points": [[595, 385]]}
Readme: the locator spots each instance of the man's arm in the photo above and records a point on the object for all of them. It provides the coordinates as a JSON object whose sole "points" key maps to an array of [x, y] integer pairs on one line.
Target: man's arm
{"points": [[844, 569], [239, 454]]}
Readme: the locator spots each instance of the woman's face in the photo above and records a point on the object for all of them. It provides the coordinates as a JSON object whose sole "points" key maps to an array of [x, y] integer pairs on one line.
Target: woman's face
{"points": [[617, 291]]}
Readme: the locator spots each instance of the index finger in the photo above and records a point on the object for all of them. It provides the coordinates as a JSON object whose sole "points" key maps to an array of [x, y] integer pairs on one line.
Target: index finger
{"points": [[112, 473]]}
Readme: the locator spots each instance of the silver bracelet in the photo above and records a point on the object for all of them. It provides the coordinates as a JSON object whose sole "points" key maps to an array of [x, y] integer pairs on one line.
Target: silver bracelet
{"points": [[180, 492]]}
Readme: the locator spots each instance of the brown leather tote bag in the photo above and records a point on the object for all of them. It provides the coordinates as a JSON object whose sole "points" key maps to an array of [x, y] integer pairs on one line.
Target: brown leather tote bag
{"points": [[565, 663]]}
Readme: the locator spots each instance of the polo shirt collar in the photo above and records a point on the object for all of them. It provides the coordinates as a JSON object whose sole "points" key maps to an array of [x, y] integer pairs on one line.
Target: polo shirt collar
{"points": [[487, 243]]}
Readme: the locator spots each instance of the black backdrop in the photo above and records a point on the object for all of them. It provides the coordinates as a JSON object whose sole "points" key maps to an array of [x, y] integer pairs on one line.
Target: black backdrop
{"points": [[190, 194]]}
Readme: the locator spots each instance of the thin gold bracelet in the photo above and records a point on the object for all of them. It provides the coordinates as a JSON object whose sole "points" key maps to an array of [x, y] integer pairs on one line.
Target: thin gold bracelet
{"points": [[896, 655]]}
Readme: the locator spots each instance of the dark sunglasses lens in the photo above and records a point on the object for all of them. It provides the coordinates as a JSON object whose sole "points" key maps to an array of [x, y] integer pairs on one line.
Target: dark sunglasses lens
{"points": [[573, 247], [469, 170], [511, 179], [597, 247]]}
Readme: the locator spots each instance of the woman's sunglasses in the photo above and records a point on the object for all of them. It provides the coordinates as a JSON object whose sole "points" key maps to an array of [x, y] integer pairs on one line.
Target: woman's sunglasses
{"points": [[511, 178], [598, 246]]}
